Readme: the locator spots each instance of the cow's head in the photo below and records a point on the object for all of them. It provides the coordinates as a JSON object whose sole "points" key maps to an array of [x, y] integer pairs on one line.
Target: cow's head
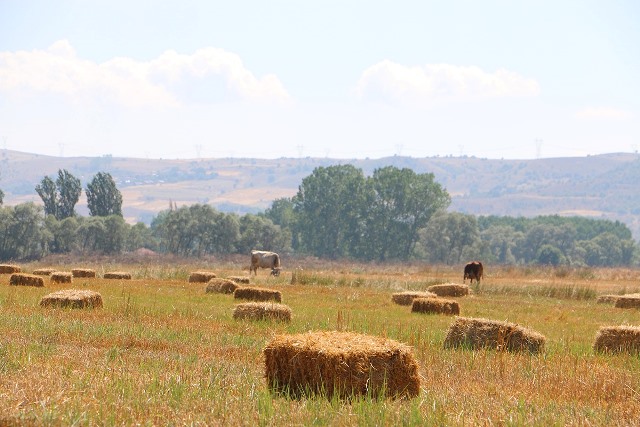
{"points": [[275, 271]]}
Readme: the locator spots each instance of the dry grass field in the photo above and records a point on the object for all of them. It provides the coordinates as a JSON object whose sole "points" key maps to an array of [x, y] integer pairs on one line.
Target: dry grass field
{"points": [[162, 351]]}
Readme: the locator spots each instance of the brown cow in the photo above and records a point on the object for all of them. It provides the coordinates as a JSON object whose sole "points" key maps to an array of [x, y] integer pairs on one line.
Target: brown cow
{"points": [[473, 270], [265, 259]]}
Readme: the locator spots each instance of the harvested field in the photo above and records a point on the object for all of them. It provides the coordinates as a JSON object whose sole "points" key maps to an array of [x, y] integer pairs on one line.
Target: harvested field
{"points": [[257, 294], [221, 286], [83, 272], [483, 333], [449, 290], [407, 297], [9, 269], [122, 275], [164, 350], [201, 276], [72, 298], [262, 311], [344, 364], [435, 306], [61, 277], [24, 279]]}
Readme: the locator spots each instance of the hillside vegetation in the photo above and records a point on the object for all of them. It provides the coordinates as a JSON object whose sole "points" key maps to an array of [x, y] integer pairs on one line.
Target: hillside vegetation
{"points": [[601, 186]]}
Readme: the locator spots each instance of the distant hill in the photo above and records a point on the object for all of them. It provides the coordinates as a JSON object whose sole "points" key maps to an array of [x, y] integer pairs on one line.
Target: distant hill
{"points": [[603, 186]]}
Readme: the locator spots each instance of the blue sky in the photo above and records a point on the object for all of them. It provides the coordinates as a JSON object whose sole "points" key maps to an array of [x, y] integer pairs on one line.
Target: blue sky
{"points": [[340, 79]]}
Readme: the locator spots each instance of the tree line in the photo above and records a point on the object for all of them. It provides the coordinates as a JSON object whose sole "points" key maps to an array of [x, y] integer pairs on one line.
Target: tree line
{"points": [[338, 213]]}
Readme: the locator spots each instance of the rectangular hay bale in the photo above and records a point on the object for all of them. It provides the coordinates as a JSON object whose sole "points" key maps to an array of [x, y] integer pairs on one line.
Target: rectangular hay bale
{"points": [[123, 275], [342, 364], [257, 294], [221, 286], [449, 290], [201, 276], [407, 297], [83, 272], [492, 334], [9, 269], [262, 311], [435, 306], [617, 339], [61, 277], [628, 301], [72, 298], [24, 279]]}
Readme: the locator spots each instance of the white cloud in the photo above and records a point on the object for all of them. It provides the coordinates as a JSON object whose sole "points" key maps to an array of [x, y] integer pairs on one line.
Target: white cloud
{"points": [[391, 82], [603, 113], [127, 82]]}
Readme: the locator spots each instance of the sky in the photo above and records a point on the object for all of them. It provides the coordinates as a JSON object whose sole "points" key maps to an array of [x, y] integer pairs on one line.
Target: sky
{"points": [[333, 78]]}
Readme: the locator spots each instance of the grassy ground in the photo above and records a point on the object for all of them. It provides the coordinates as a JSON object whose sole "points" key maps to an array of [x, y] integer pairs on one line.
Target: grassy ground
{"points": [[163, 352]]}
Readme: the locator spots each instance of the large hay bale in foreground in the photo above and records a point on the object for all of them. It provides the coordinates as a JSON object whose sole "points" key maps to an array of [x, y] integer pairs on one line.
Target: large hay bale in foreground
{"points": [[123, 275], [435, 306], [9, 269], [344, 364], [72, 298], [24, 279], [201, 276], [628, 301], [83, 272], [43, 271], [618, 339], [257, 294], [407, 297], [492, 334], [221, 286], [449, 290], [240, 279], [61, 277], [262, 311]]}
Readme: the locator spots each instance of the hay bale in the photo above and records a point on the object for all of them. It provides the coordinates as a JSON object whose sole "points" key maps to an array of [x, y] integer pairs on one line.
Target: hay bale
{"points": [[262, 311], [43, 271], [407, 297], [72, 298], [618, 339], [201, 276], [83, 272], [221, 286], [117, 275], [61, 277], [435, 306], [240, 279], [628, 301], [24, 279], [257, 294], [483, 333], [342, 364], [449, 290], [607, 299], [9, 269]]}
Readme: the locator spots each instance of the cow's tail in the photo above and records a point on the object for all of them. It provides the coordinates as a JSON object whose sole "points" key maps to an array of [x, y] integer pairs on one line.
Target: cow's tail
{"points": [[276, 263]]}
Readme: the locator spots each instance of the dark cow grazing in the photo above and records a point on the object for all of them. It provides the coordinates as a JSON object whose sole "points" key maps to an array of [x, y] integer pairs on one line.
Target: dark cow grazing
{"points": [[265, 259], [473, 270]]}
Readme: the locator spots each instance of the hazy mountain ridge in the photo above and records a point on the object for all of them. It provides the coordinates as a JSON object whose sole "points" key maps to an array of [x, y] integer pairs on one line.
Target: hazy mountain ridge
{"points": [[599, 186]]}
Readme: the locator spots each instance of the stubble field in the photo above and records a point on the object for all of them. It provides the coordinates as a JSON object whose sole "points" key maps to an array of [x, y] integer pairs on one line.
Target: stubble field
{"points": [[161, 351]]}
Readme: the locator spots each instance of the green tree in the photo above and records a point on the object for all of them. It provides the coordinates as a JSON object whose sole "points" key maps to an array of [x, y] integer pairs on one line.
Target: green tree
{"points": [[331, 211], [103, 197], [60, 197], [1, 197], [64, 234], [451, 237], [550, 255], [22, 232], [259, 232], [400, 204]]}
